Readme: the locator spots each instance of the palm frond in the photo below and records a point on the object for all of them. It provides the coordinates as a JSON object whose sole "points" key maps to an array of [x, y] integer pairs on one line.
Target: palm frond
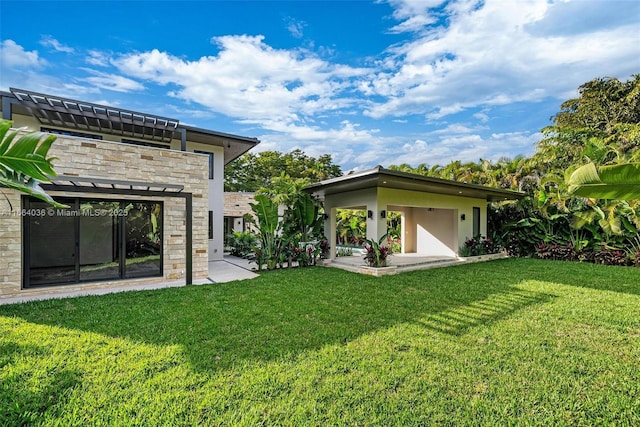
{"points": [[618, 182], [24, 163]]}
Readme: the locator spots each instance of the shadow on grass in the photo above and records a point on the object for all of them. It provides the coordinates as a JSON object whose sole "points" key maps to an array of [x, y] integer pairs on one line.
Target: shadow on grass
{"points": [[284, 313], [458, 320], [24, 398]]}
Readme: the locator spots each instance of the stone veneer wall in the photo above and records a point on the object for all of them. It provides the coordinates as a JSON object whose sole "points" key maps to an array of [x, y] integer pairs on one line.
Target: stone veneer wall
{"points": [[237, 204], [88, 158]]}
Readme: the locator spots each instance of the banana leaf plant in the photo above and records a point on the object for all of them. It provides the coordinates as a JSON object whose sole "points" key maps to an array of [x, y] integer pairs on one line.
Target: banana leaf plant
{"points": [[24, 164], [618, 182], [267, 223], [308, 218]]}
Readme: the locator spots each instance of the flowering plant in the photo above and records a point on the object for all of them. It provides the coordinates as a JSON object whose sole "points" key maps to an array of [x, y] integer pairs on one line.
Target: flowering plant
{"points": [[377, 254]]}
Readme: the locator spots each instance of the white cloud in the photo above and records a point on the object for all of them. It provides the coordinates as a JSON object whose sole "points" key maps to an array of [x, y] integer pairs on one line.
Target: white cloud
{"points": [[295, 27], [97, 58], [49, 41], [414, 14], [112, 81], [440, 149], [482, 116], [250, 80], [14, 56], [456, 128], [497, 52]]}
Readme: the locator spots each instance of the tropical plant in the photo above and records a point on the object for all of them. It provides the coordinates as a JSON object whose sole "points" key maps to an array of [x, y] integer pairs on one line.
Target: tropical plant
{"points": [[351, 226], [267, 224], [479, 245], [241, 243], [620, 182], [377, 253], [344, 251], [24, 164]]}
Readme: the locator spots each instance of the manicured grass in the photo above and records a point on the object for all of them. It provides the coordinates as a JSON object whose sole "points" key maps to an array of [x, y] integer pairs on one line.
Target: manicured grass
{"points": [[510, 342]]}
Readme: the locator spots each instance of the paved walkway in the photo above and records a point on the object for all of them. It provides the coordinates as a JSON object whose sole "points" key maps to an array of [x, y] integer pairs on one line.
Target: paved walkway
{"points": [[400, 263], [232, 268]]}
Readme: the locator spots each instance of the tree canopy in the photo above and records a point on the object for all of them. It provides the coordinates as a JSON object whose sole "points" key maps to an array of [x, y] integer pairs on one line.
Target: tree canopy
{"points": [[597, 136], [250, 172]]}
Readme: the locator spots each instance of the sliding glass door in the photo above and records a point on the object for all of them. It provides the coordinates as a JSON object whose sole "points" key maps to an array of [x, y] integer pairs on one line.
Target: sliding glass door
{"points": [[92, 240], [99, 241], [50, 244]]}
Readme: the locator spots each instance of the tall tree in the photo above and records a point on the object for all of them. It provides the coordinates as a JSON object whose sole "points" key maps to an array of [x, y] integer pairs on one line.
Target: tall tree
{"points": [[601, 125], [250, 172]]}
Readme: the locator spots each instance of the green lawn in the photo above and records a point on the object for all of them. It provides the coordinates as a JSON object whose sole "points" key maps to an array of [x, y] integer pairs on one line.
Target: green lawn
{"points": [[509, 342]]}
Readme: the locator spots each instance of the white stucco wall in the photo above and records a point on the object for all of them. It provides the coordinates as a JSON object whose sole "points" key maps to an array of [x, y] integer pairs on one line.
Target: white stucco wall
{"points": [[440, 231], [216, 198]]}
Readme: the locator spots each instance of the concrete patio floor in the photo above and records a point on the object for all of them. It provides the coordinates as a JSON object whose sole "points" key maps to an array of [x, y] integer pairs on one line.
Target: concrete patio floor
{"points": [[400, 263], [230, 269]]}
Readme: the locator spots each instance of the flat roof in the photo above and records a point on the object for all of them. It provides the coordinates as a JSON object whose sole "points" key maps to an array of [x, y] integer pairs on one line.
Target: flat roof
{"points": [[84, 116], [387, 178]]}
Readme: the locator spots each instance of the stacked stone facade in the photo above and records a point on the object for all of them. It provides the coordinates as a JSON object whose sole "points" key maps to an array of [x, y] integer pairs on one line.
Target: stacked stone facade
{"points": [[236, 204], [86, 158]]}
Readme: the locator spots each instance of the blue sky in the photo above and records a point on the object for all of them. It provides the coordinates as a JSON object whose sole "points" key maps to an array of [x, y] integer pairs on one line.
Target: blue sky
{"points": [[369, 82]]}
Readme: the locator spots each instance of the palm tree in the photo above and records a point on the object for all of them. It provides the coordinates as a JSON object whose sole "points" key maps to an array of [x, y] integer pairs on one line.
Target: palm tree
{"points": [[24, 164]]}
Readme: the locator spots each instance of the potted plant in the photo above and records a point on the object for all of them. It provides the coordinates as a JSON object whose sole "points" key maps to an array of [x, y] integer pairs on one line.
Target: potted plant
{"points": [[377, 253]]}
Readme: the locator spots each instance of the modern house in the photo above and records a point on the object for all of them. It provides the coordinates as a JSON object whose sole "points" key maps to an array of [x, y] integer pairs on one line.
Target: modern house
{"points": [[145, 197], [437, 215]]}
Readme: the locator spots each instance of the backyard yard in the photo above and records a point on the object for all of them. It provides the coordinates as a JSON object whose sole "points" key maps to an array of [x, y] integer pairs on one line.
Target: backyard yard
{"points": [[516, 341]]}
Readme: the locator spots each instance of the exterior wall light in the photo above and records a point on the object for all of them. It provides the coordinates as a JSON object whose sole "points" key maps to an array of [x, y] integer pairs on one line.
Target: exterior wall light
{"points": [[370, 214], [463, 217], [383, 214]]}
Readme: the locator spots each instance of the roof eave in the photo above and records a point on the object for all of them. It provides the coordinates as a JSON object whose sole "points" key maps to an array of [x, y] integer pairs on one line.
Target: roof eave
{"points": [[377, 175]]}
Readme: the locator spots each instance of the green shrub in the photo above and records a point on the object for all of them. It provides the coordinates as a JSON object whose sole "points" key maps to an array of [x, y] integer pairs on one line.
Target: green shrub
{"points": [[241, 243]]}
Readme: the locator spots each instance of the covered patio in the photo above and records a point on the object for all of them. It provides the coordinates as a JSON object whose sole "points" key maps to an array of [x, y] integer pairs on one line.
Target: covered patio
{"points": [[437, 215]]}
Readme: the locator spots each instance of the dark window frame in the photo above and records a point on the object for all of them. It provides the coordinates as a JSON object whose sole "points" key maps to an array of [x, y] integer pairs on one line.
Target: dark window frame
{"points": [[75, 203], [211, 161], [66, 132], [145, 143], [476, 221], [210, 225]]}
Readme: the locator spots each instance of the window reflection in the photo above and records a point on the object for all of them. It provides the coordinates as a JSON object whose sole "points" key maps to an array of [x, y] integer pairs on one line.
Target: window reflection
{"points": [[144, 239], [93, 240]]}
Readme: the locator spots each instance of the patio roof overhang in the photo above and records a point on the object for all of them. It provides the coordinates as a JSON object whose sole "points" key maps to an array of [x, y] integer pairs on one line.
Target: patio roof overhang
{"points": [[112, 184], [234, 145], [85, 116], [74, 184], [59, 112], [387, 178]]}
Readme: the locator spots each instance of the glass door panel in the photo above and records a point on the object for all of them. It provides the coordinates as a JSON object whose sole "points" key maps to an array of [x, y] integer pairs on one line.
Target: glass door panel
{"points": [[99, 254], [52, 244], [143, 239]]}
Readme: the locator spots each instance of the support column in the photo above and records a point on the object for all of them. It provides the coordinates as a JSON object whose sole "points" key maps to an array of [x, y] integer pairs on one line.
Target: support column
{"points": [[330, 230], [376, 226]]}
